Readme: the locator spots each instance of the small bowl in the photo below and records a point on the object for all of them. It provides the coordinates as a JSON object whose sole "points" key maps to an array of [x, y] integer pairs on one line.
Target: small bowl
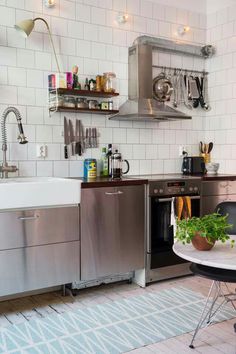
{"points": [[212, 168]]}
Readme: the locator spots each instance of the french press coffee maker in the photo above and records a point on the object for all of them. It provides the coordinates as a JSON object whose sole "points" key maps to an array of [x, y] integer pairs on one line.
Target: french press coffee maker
{"points": [[116, 165]]}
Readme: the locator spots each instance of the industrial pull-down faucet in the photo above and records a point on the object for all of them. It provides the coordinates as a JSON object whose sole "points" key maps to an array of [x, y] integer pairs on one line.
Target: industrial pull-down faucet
{"points": [[5, 169]]}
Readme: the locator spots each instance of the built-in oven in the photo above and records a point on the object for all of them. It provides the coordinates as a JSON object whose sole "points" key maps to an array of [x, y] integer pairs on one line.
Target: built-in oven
{"points": [[162, 262]]}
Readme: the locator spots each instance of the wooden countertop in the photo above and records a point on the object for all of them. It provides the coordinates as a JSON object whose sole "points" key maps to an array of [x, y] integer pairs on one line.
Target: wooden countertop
{"points": [[144, 179], [219, 177], [176, 176], [108, 182]]}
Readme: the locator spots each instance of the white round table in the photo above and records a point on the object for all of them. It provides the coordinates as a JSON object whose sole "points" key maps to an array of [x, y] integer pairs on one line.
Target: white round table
{"points": [[220, 256]]}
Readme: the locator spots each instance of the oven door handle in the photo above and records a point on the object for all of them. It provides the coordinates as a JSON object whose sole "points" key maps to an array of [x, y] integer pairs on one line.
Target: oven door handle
{"points": [[163, 200]]}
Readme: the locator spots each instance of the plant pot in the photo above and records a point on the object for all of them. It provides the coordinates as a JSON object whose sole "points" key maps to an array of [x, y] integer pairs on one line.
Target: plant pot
{"points": [[201, 243]]}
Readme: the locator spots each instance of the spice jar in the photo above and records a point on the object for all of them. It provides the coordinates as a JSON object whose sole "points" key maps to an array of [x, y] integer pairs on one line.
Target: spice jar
{"points": [[98, 83], [93, 104], [60, 101], [82, 102], [109, 82], [92, 85], [69, 102]]}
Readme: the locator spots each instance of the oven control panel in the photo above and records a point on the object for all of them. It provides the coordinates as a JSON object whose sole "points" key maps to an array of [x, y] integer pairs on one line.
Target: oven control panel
{"points": [[172, 188]]}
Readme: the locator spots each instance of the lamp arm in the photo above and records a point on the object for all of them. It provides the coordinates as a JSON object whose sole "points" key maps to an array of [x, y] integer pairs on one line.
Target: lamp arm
{"points": [[50, 36]]}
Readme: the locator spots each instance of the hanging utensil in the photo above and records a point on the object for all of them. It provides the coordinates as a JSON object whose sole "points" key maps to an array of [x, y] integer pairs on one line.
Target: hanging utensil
{"points": [[201, 100], [184, 87], [162, 88], [175, 79], [205, 92], [194, 92]]}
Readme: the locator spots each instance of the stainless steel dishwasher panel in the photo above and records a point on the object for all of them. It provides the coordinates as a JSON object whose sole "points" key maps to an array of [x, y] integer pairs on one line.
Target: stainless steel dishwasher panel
{"points": [[112, 231], [215, 188], [31, 268], [216, 192], [209, 203], [25, 228]]}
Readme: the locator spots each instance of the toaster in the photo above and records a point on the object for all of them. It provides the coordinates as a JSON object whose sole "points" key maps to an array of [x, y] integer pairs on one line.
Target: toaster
{"points": [[193, 165]]}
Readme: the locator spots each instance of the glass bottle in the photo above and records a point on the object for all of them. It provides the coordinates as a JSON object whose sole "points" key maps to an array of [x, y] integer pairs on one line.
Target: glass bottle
{"points": [[104, 163], [86, 85]]}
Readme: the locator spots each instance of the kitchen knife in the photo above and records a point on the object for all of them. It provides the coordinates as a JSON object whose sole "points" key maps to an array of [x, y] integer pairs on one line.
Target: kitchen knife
{"points": [[86, 138], [66, 138], [77, 136], [72, 138], [82, 138], [95, 138], [90, 137]]}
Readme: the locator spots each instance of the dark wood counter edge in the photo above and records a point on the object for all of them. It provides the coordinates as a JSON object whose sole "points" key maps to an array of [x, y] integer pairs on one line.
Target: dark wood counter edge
{"points": [[111, 183], [219, 178]]}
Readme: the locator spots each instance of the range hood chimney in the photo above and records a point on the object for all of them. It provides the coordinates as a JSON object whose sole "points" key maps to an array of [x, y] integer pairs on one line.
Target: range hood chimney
{"points": [[141, 106]]}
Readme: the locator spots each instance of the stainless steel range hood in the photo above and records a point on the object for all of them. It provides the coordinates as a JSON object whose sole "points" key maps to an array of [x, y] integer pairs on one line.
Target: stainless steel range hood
{"points": [[141, 106]]}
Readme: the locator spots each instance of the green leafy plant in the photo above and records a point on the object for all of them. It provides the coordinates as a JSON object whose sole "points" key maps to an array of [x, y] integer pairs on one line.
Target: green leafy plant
{"points": [[213, 226]]}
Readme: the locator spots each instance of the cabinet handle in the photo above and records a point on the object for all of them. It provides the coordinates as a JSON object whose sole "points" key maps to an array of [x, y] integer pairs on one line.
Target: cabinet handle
{"points": [[114, 193], [23, 218]]}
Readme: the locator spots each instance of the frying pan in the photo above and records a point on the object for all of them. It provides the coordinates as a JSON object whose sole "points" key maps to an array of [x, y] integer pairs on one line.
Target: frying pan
{"points": [[162, 88]]}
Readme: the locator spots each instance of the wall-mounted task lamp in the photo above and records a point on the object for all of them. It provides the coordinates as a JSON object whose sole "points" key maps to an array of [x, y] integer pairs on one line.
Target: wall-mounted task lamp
{"points": [[26, 27]]}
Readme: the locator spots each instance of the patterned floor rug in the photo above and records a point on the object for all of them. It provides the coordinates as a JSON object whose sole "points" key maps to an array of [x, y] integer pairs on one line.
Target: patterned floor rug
{"points": [[111, 328]]}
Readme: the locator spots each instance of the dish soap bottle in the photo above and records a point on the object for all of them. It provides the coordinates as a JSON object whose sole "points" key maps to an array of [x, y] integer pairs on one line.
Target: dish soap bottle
{"points": [[104, 163]]}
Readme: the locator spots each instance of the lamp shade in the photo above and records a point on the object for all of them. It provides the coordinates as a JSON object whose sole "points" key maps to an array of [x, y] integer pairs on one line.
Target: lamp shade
{"points": [[25, 27]]}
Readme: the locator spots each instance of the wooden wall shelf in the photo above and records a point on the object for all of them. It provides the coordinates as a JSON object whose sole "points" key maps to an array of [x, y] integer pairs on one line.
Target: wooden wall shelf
{"points": [[84, 93], [83, 110]]}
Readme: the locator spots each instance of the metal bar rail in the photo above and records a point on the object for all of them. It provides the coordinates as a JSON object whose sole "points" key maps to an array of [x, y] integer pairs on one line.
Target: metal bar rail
{"points": [[163, 67]]}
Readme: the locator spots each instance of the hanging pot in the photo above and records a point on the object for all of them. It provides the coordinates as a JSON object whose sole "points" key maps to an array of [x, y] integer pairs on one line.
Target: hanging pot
{"points": [[162, 88], [201, 243]]}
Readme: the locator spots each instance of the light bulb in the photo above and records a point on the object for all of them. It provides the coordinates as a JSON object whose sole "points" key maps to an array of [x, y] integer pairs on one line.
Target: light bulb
{"points": [[182, 30], [49, 3], [122, 18]]}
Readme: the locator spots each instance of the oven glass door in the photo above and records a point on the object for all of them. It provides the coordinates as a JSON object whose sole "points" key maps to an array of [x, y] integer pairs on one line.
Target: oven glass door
{"points": [[162, 232]]}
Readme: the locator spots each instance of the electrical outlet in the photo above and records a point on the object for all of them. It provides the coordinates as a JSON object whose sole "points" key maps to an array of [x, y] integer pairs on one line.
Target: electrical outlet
{"points": [[41, 151]]}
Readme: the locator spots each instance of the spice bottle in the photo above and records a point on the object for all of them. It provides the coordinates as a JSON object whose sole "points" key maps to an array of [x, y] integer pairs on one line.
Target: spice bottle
{"points": [[110, 105], [86, 85], [75, 70], [92, 85]]}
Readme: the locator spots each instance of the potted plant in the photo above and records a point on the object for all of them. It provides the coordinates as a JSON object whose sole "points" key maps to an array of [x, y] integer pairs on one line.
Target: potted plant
{"points": [[204, 231]]}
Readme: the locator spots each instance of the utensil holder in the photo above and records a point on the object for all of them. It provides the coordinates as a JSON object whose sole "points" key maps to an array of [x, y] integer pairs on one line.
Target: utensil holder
{"points": [[207, 157]]}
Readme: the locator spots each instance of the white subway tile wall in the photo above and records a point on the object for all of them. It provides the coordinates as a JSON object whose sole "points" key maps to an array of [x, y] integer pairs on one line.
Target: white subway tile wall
{"points": [[220, 123], [87, 34]]}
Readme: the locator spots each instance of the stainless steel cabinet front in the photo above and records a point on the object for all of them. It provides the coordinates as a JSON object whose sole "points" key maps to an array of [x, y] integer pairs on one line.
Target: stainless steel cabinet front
{"points": [[112, 231], [209, 203], [25, 228], [32, 268]]}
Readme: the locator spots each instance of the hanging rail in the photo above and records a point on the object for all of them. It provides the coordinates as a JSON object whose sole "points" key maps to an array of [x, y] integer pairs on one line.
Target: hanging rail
{"points": [[163, 67]]}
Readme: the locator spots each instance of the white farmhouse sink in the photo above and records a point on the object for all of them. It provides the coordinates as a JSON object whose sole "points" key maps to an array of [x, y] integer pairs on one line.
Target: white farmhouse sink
{"points": [[32, 192]]}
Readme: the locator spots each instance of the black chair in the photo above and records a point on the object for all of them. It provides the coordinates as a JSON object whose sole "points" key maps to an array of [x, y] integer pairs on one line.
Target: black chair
{"points": [[219, 293]]}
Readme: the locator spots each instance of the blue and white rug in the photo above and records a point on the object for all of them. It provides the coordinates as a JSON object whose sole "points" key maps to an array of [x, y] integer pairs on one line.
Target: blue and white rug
{"points": [[111, 328]]}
